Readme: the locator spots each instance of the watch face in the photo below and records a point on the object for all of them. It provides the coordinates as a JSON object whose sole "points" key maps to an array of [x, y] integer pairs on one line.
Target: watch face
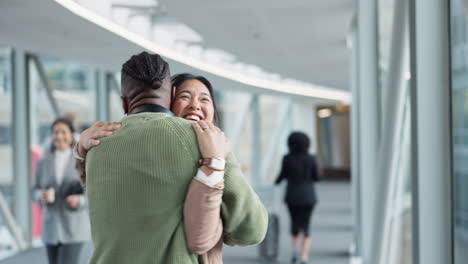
{"points": [[217, 164]]}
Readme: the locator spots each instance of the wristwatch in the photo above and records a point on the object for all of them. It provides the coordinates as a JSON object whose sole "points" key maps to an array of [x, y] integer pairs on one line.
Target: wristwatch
{"points": [[213, 163]]}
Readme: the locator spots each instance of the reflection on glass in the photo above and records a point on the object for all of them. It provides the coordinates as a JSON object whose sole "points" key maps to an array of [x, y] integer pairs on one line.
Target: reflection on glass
{"points": [[6, 153], [393, 38], [459, 52]]}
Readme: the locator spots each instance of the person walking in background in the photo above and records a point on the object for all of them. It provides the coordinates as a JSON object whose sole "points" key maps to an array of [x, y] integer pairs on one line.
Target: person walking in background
{"points": [[56, 187], [299, 168]]}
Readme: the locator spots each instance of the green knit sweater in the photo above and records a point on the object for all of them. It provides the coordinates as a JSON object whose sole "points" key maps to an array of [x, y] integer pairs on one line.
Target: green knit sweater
{"points": [[137, 180]]}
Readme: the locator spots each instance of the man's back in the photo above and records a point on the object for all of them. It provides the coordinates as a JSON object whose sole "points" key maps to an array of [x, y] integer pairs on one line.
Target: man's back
{"points": [[136, 184]]}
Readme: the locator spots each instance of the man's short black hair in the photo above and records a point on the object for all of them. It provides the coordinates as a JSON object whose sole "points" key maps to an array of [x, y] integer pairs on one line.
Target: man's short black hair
{"points": [[146, 70]]}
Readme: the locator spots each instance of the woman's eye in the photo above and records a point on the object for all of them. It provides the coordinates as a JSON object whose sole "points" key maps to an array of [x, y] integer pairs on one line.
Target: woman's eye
{"points": [[184, 97], [206, 99]]}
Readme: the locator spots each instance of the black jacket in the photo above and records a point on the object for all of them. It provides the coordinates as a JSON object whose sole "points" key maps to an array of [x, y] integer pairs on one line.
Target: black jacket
{"points": [[300, 170]]}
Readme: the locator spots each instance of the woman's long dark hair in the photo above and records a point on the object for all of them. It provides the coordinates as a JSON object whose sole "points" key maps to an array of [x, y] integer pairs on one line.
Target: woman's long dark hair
{"points": [[298, 142], [70, 126], [178, 79]]}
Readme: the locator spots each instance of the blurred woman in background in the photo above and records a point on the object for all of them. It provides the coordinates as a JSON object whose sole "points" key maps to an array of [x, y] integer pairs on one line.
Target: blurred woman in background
{"points": [[299, 169], [65, 222]]}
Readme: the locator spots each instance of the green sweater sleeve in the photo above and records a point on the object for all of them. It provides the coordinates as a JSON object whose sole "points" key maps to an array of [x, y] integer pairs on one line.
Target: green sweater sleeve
{"points": [[245, 218]]}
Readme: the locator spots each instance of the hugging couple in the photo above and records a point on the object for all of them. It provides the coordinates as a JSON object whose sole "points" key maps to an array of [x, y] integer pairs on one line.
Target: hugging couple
{"points": [[162, 184]]}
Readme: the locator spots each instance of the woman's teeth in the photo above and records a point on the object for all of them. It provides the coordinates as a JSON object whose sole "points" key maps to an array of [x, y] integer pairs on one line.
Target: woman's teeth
{"points": [[193, 117]]}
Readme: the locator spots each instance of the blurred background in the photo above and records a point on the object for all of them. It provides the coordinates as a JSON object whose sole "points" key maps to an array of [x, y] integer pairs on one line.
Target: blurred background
{"points": [[379, 86]]}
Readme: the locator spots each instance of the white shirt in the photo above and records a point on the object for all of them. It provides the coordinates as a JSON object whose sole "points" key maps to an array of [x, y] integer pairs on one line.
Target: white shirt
{"points": [[61, 160]]}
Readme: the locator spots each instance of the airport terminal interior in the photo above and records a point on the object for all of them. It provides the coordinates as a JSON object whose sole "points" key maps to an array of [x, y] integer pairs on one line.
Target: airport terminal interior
{"points": [[379, 86]]}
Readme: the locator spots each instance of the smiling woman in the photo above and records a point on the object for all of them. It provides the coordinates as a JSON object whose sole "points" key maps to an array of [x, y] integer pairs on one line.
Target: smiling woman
{"points": [[193, 99]]}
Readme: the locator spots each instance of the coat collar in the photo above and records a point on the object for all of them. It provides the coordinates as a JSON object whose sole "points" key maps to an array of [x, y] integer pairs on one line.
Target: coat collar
{"points": [[150, 108]]}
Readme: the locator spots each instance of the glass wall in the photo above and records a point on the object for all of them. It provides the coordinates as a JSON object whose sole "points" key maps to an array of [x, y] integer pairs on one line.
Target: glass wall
{"points": [[68, 89], [395, 116], [236, 109], [6, 145], [5, 122], [459, 52], [57, 89], [115, 103]]}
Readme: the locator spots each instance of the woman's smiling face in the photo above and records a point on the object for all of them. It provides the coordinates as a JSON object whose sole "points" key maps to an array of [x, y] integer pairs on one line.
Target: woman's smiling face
{"points": [[62, 137], [193, 102]]}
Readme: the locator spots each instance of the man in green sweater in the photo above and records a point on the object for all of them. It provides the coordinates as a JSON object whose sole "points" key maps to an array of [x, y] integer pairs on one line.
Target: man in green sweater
{"points": [[137, 179]]}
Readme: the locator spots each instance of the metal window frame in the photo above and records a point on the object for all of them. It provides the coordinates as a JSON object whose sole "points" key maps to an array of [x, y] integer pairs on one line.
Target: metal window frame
{"points": [[367, 54], [21, 145], [103, 88], [432, 108], [45, 82]]}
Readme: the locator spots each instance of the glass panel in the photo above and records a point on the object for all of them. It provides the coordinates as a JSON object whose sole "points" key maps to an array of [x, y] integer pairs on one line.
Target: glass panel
{"points": [[231, 112], [115, 103], [6, 162], [6, 144], [271, 115], [459, 50], [72, 90], [394, 43]]}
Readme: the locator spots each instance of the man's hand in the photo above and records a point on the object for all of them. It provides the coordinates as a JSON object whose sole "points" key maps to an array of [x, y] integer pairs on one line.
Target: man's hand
{"points": [[90, 137], [211, 140], [73, 201]]}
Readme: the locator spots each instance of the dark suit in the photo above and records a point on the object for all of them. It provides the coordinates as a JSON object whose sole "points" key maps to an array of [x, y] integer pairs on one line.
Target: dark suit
{"points": [[300, 170]]}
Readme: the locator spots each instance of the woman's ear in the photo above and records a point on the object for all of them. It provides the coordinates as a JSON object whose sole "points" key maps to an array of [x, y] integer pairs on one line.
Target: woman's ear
{"points": [[124, 104]]}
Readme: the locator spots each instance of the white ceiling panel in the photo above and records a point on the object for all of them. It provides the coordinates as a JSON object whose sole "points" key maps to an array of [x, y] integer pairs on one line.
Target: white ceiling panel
{"points": [[304, 40]]}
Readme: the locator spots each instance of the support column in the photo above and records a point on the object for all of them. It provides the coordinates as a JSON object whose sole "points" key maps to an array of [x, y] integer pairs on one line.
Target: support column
{"points": [[102, 96], [368, 111], [21, 151], [355, 157], [432, 83], [256, 162]]}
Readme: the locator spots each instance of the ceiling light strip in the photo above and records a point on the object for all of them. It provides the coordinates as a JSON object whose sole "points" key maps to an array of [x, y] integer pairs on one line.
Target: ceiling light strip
{"points": [[308, 90]]}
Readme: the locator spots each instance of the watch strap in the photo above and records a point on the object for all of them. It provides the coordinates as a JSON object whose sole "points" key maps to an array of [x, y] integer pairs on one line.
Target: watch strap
{"points": [[208, 163]]}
